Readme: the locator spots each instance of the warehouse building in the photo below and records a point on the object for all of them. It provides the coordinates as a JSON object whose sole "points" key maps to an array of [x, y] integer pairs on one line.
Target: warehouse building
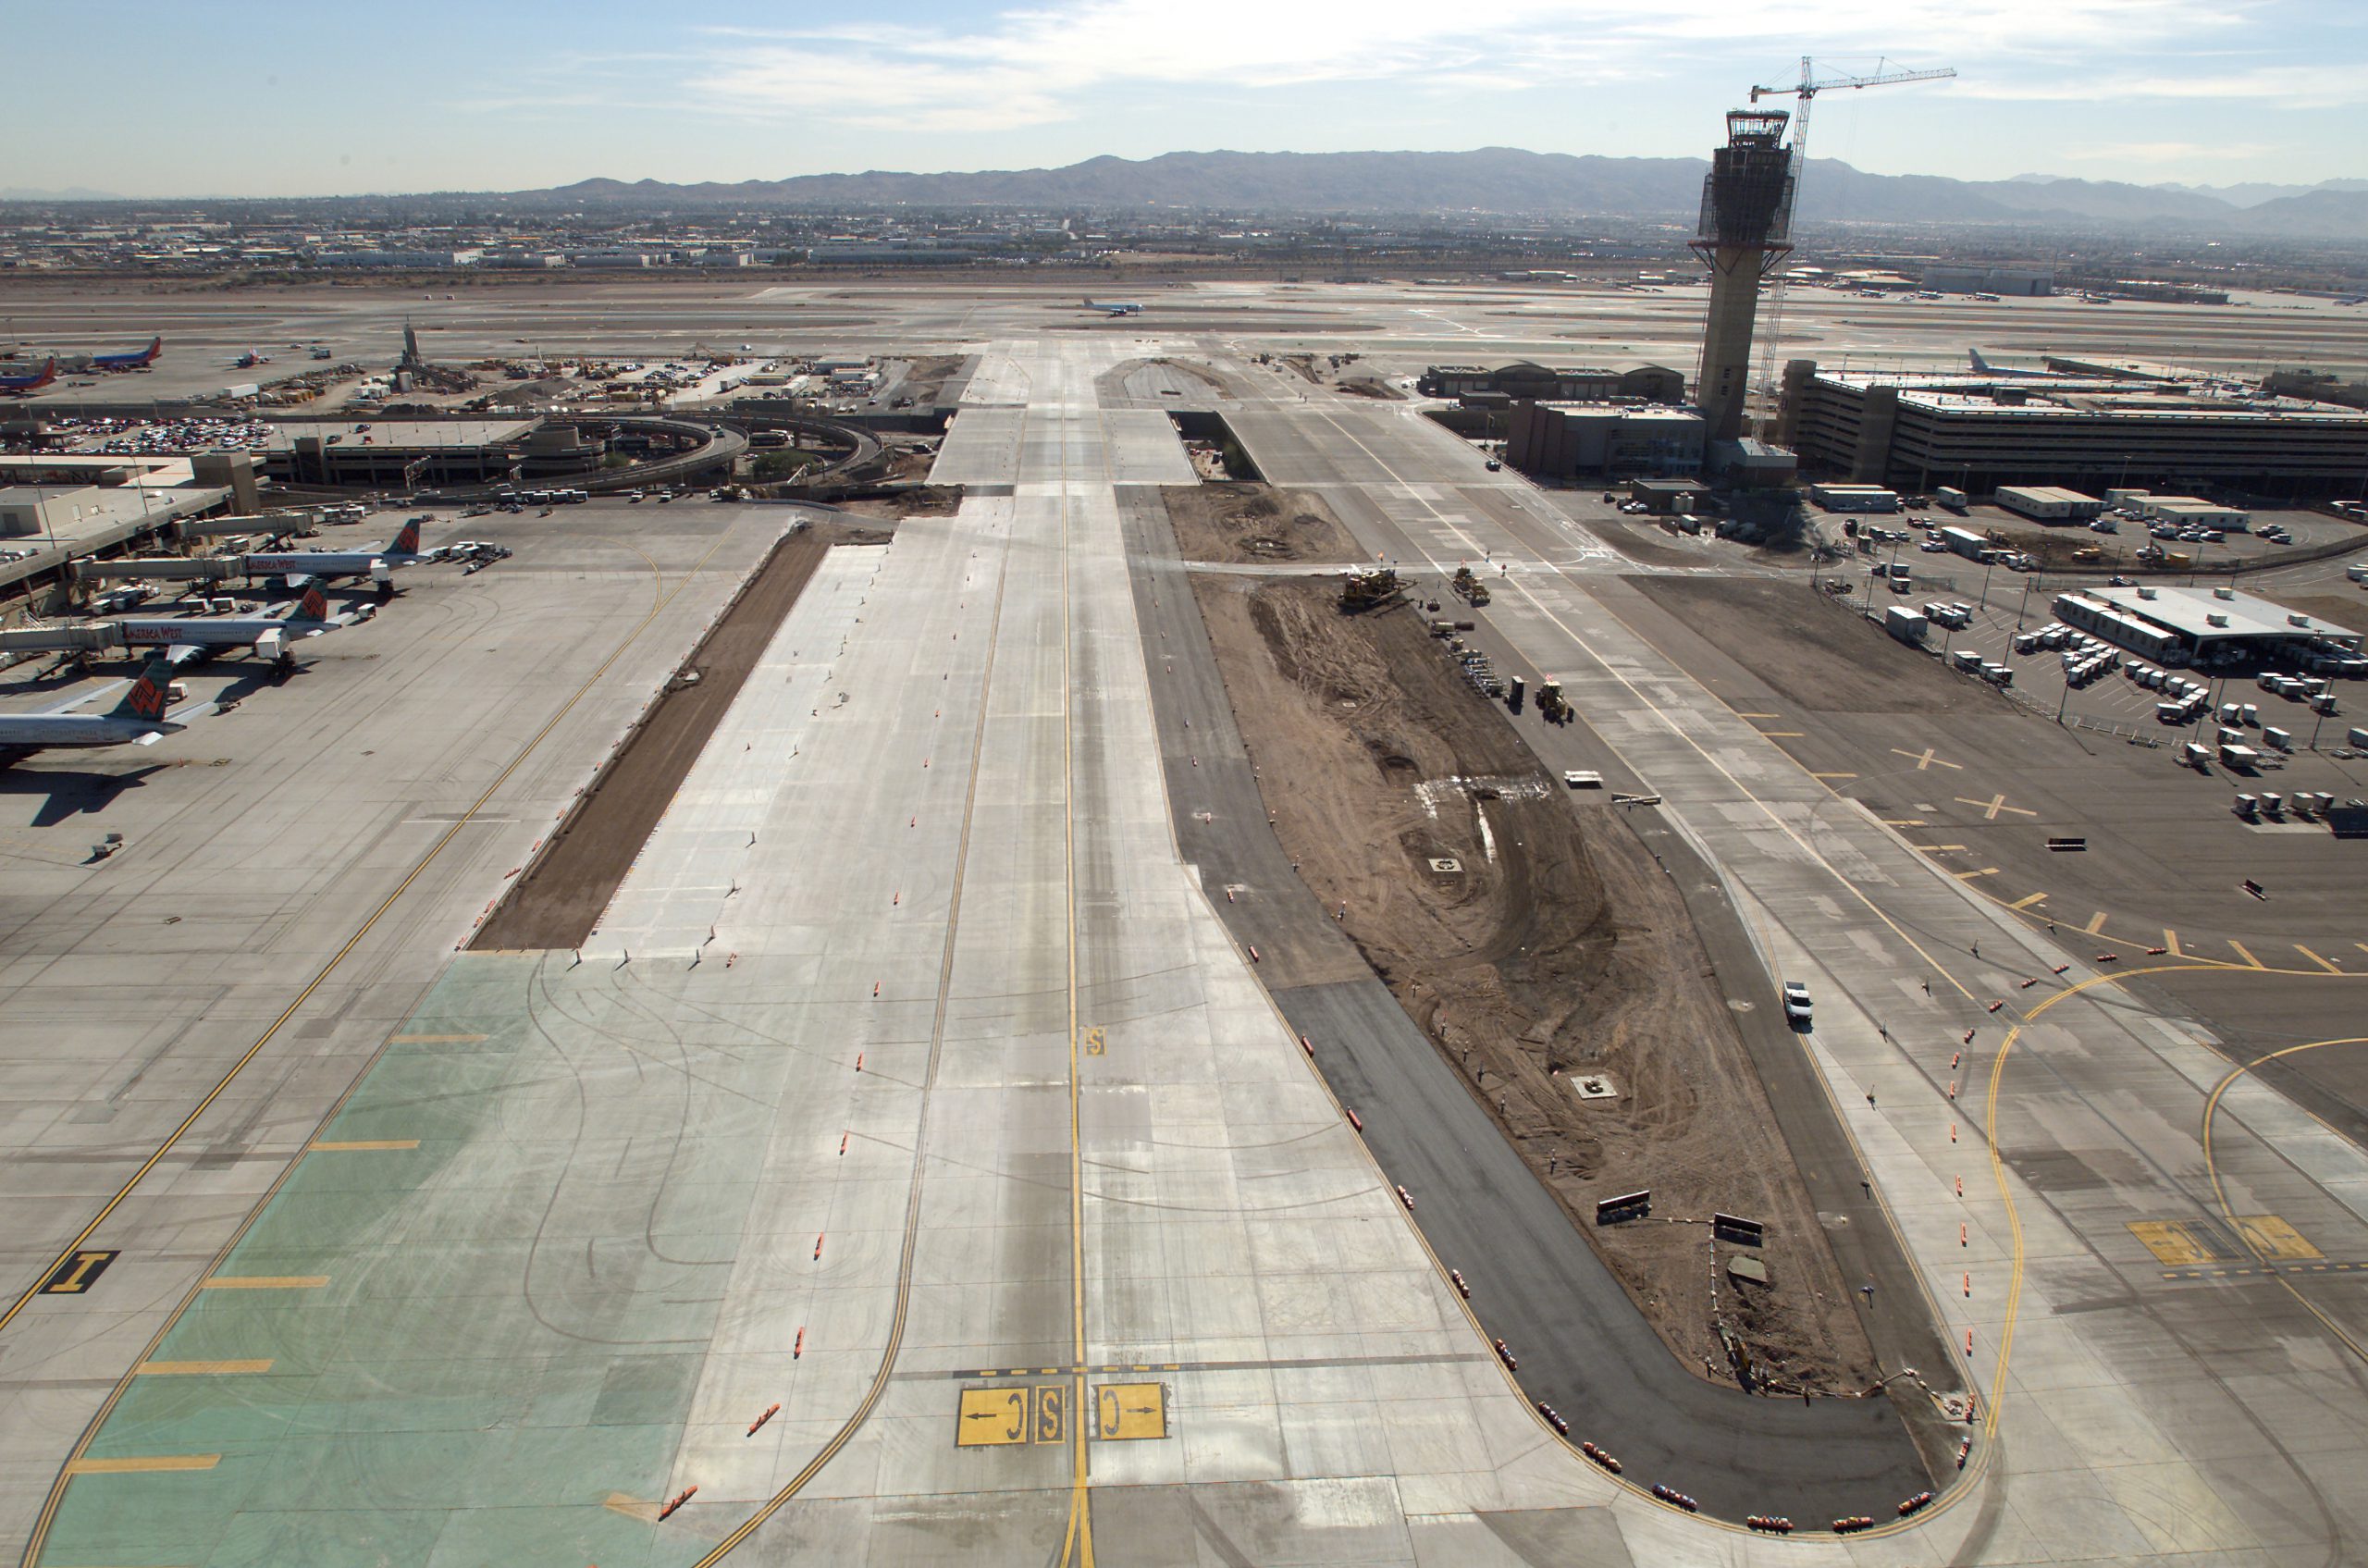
{"points": [[1563, 440], [2049, 503], [1634, 382], [1977, 431], [2209, 627], [1855, 498]]}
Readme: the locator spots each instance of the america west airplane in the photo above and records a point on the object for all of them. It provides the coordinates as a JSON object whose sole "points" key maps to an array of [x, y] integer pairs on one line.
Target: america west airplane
{"points": [[186, 638], [138, 719], [369, 562]]}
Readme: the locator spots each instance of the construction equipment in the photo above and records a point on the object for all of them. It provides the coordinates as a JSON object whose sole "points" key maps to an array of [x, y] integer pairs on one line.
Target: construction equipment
{"points": [[1805, 92], [1370, 590], [1551, 704]]}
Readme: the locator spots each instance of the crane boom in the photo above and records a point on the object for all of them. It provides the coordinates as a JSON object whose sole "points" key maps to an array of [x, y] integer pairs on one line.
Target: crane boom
{"points": [[1805, 91], [1809, 87]]}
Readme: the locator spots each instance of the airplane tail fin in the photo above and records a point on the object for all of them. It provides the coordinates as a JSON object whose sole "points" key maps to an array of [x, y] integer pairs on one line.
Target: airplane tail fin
{"points": [[155, 348], [148, 694], [314, 605], [406, 542], [1980, 364]]}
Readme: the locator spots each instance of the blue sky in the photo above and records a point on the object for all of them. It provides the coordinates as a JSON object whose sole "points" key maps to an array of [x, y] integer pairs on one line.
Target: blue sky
{"points": [[270, 97]]}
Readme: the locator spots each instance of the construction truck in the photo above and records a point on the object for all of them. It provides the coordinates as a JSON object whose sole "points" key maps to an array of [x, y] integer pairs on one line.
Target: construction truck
{"points": [[1552, 706], [1370, 590]]}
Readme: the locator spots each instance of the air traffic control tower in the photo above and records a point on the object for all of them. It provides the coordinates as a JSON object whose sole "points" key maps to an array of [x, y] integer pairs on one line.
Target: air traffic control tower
{"points": [[1745, 233]]}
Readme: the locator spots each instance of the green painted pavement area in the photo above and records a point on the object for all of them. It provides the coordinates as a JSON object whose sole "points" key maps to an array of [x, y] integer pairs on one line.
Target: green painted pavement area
{"points": [[516, 1312]]}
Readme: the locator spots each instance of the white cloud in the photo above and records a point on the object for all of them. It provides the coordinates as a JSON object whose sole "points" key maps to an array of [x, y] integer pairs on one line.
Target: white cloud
{"points": [[1042, 62], [2295, 87]]}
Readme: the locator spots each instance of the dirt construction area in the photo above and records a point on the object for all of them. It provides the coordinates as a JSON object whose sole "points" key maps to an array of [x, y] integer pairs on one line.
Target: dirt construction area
{"points": [[1547, 956], [1240, 524]]}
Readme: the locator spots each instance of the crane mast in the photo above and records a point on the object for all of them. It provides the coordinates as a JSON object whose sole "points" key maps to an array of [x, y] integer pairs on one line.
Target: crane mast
{"points": [[1804, 93]]}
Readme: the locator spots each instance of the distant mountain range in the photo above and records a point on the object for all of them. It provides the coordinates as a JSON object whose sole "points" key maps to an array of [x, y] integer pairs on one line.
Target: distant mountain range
{"points": [[1508, 180]]}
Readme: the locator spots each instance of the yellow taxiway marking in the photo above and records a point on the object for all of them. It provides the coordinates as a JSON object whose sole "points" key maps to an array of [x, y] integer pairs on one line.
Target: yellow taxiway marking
{"points": [[991, 1418], [201, 1368], [143, 1463], [2027, 903], [2316, 960], [264, 1282], [1940, 848], [340, 1145], [435, 1040], [1991, 806], [2246, 955], [1905, 823], [1925, 759], [2220, 1192], [1128, 1412], [2175, 1240], [1985, 871], [1834, 775], [661, 596], [2271, 1238], [2096, 923], [2170, 944], [1759, 715], [1783, 734]]}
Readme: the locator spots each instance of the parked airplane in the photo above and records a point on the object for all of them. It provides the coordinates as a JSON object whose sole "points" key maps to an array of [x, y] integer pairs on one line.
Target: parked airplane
{"points": [[138, 719], [249, 360], [1983, 367], [367, 562], [188, 637], [1114, 307], [138, 359], [17, 386]]}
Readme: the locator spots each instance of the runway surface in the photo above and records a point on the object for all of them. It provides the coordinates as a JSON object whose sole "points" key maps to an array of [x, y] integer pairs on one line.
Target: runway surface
{"points": [[916, 1109]]}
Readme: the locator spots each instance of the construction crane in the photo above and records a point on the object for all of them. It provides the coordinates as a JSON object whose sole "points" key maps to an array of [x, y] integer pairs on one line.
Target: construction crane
{"points": [[1805, 91]]}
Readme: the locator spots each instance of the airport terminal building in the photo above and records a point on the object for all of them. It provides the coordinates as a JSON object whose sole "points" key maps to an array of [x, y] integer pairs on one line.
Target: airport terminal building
{"points": [[1978, 431]]}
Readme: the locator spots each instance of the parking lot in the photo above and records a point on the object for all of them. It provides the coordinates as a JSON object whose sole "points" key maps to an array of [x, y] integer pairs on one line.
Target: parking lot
{"points": [[2270, 535]]}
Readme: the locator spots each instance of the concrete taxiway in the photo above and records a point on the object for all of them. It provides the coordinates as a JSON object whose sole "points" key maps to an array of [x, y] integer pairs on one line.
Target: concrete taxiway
{"points": [[914, 1169]]}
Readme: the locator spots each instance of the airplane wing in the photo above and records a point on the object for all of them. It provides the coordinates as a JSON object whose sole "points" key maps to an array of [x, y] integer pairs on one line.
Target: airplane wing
{"points": [[71, 703], [182, 653]]}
